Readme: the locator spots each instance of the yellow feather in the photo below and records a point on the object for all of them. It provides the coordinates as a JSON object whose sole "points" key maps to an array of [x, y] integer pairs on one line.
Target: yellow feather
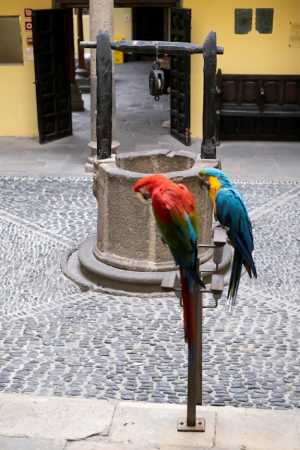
{"points": [[214, 187]]}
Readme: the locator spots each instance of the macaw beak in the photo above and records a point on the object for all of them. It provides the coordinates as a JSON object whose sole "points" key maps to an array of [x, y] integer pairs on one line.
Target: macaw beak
{"points": [[143, 196], [203, 181]]}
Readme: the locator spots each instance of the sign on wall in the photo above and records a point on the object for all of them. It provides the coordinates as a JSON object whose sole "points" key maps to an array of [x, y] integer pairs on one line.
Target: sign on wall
{"points": [[264, 20], [294, 40], [242, 20], [28, 19]]}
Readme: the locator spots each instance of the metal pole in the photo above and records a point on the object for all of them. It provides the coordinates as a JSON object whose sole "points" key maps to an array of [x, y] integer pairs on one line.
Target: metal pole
{"points": [[192, 386], [199, 346], [194, 391], [194, 395]]}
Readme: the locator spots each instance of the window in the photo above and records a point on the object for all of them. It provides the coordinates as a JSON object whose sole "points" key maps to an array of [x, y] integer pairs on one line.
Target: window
{"points": [[11, 51]]}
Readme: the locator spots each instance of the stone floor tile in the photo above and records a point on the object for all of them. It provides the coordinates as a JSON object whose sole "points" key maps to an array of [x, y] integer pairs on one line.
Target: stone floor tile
{"points": [[156, 425], [54, 417], [10, 443]]}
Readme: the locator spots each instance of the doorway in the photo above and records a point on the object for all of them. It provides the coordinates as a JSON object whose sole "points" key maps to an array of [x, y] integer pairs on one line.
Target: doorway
{"points": [[150, 24]]}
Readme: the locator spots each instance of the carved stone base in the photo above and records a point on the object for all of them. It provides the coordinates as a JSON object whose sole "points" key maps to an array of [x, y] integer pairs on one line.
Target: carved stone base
{"points": [[82, 267]]}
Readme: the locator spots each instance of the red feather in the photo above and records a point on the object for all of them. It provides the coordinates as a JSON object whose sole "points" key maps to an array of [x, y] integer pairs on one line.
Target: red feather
{"points": [[172, 204], [189, 297]]}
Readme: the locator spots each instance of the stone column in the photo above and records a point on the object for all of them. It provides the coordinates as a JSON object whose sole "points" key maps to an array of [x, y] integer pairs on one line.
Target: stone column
{"points": [[80, 37], [101, 19], [76, 99], [82, 74]]}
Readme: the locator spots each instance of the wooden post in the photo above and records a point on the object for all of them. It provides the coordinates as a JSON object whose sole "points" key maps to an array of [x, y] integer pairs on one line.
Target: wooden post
{"points": [[208, 147], [104, 96]]}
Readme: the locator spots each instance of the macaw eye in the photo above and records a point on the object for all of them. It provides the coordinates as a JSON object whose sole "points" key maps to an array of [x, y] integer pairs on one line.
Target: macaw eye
{"points": [[203, 181]]}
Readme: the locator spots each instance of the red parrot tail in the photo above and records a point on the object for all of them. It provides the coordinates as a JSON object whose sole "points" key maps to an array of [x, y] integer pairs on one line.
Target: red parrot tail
{"points": [[190, 286]]}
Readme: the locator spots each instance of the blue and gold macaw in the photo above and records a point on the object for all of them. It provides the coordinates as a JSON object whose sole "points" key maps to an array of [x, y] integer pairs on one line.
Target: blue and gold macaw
{"points": [[231, 212]]}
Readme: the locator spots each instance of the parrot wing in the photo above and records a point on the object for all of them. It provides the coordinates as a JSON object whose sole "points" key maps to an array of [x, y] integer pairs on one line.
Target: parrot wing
{"points": [[174, 211], [232, 213], [190, 205], [176, 225]]}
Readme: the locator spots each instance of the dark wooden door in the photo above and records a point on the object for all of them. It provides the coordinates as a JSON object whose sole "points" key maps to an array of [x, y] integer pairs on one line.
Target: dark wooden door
{"points": [[180, 77], [259, 107], [52, 31], [148, 24]]}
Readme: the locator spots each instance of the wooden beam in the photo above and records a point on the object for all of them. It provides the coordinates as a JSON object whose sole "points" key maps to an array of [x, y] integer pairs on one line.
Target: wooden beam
{"points": [[73, 3], [120, 3], [153, 47], [146, 3]]}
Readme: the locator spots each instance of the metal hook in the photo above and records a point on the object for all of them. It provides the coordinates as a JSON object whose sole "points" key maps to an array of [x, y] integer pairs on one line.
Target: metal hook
{"points": [[156, 50]]}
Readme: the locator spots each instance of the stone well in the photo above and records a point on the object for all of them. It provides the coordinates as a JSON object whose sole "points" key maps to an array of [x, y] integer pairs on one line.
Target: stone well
{"points": [[127, 252]]}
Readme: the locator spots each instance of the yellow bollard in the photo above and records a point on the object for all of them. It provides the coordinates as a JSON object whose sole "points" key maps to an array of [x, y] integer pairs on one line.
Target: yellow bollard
{"points": [[118, 56]]}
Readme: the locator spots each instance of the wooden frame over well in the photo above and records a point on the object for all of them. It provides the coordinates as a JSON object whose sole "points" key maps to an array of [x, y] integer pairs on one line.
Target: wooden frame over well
{"points": [[119, 3]]}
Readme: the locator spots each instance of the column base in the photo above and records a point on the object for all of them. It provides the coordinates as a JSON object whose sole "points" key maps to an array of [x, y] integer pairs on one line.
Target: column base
{"points": [[89, 165], [76, 99]]}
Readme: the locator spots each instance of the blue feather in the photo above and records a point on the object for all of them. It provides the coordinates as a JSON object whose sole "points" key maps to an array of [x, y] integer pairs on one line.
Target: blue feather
{"points": [[232, 213], [211, 172]]}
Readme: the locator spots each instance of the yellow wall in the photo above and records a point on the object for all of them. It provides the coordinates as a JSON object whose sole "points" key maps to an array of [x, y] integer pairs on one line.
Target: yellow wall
{"points": [[251, 53], [122, 26], [18, 115], [123, 23], [86, 32]]}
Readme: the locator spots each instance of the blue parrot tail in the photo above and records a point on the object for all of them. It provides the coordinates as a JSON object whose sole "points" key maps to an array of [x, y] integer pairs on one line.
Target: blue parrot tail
{"points": [[235, 277], [250, 267]]}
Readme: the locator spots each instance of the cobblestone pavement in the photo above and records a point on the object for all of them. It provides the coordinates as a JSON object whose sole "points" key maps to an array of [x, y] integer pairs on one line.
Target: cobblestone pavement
{"points": [[56, 340]]}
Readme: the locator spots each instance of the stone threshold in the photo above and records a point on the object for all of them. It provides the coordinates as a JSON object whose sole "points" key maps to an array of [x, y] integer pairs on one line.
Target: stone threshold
{"points": [[63, 423]]}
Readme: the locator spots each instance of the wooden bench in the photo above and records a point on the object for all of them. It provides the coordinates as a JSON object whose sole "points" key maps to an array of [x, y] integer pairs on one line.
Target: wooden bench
{"points": [[258, 107]]}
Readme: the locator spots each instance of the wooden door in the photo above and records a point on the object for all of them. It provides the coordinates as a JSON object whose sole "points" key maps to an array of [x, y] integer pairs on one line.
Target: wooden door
{"points": [[52, 30], [180, 77]]}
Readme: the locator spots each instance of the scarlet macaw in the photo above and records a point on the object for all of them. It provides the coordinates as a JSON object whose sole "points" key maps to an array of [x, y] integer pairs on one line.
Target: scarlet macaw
{"points": [[175, 213], [231, 212]]}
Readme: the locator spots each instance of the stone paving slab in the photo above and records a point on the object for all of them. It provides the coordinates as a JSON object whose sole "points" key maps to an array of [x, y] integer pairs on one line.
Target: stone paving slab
{"points": [[156, 424], [45, 423], [123, 446], [257, 429], [9, 443], [108, 446], [54, 418]]}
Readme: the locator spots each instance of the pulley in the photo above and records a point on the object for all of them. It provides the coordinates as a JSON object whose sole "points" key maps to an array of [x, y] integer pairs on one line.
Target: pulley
{"points": [[156, 79]]}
